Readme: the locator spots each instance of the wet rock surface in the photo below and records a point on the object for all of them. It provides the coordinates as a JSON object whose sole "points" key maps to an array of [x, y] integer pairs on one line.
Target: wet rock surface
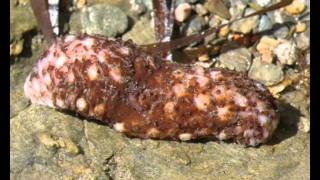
{"points": [[48, 144]]}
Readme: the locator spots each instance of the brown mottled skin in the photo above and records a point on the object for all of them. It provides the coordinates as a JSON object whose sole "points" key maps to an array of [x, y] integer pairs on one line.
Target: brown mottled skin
{"points": [[144, 96]]}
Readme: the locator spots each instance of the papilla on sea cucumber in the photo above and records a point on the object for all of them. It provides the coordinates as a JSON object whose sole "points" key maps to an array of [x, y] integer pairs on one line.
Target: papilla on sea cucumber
{"points": [[144, 96]]}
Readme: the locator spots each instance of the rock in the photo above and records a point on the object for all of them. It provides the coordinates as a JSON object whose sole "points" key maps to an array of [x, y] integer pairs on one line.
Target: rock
{"points": [[286, 52], [264, 23], [80, 3], [246, 25], [280, 16], [281, 31], [262, 3], [268, 74], [195, 25], [204, 57], [201, 10], [303, 40], [237, 8], [185, 1], [300, 100], [182, 12], [217, 7], [265, 48], [106, 154], [22, 20], [237, 59], [142, 32], [224, 31], [300, 27], [103, 19], [296, 7]]}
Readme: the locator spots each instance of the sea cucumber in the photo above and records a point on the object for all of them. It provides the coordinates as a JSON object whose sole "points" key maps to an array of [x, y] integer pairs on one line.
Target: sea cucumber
{"points": [[143, 96]]}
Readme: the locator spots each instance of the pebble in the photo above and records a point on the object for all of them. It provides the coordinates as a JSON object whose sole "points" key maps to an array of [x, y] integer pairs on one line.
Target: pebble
{"points": [[237, 59], [201, 10], [268, 74], [300, 27], [204, 57], [264, 23], [185, 1], [246, 25], [80, 3], [286, 52], [296, 7], [195, 25], [224, 31], [281, 31], [218, 7], [182, 12], [142, 32], [303, 40], [265, 47], [262, 3], [103, 19]]}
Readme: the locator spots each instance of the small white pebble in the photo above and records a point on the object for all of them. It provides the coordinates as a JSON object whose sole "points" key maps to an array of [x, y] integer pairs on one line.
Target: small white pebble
{"points": [[182, 12], [185, 136]]}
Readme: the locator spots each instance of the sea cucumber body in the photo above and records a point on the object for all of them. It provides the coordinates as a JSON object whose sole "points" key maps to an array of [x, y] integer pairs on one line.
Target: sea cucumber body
{"points": [[143, 96]]}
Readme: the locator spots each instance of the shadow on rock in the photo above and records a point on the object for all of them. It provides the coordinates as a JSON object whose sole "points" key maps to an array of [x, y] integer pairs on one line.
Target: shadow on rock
{"points": [[288, 126]]}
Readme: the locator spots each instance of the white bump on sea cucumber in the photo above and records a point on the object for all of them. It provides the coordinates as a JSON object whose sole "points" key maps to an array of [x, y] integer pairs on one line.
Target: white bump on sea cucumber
{"points": [[202, 101], [240, 100], [202, 80], [60, 103], [70, 77], [99, 109], [81, 104], [119, 127], [215, 74], [169, 107], [47, 79], [102, 56], [153, 132], [92, 72], [248, 133], [69, 38], [263, 119], [89, 42], [253, 142], [222, 112], [179, 90], [115, 74], [222, 135], [35, 84], [265, 133], [185, 136], [178, 74], [60, 61], [238, 130]]}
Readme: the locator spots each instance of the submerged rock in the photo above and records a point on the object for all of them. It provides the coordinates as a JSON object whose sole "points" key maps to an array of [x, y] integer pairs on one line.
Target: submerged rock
{"points": [[268, 74], [237, 59], [104, 20]]}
